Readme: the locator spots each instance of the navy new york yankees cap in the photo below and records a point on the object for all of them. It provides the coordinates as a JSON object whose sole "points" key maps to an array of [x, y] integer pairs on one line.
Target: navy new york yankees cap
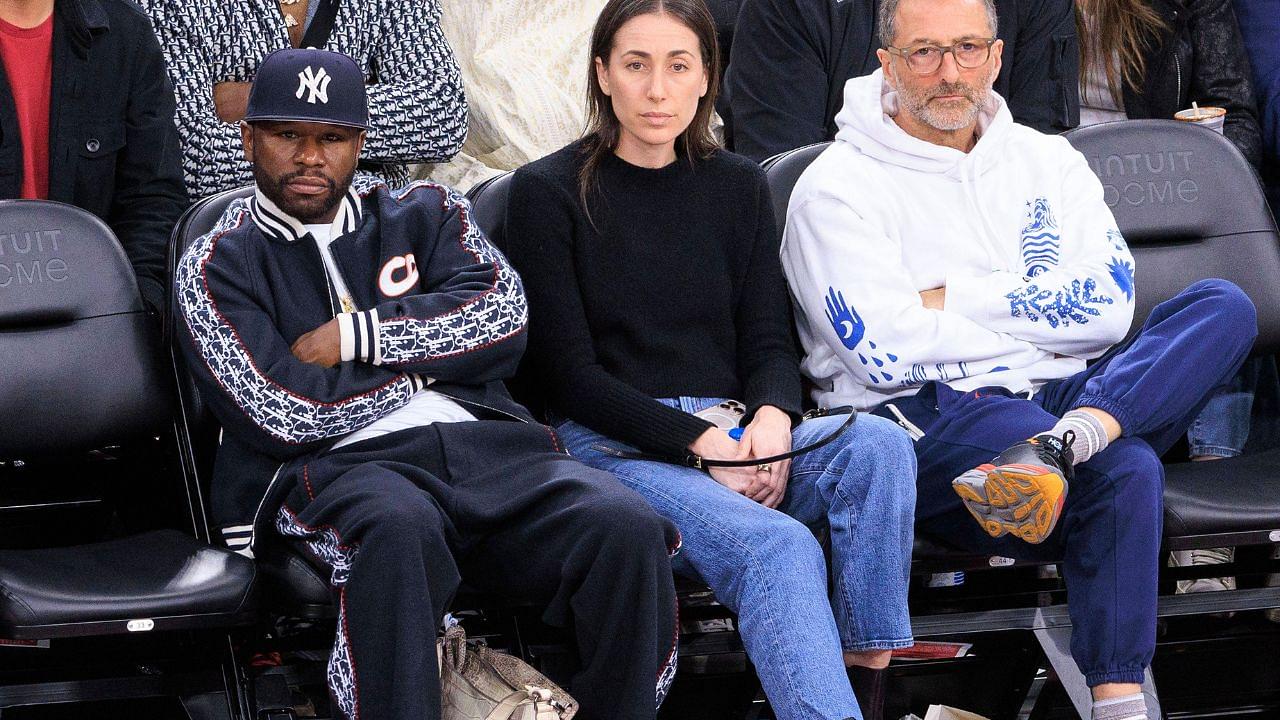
{"points": [[309, 85]]}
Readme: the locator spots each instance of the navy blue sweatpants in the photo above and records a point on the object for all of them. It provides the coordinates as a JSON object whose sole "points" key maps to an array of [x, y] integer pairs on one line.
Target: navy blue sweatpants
{"points": [[1109, 536], [399, 520]]}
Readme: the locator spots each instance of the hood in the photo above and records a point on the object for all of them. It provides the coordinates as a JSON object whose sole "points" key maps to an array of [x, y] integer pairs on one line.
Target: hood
{"points": [[866, 122]]}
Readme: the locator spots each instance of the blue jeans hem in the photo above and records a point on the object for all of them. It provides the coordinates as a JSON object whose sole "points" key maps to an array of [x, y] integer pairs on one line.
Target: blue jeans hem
{"points": [[1103, 677], [879, 645], [1214, 450]]}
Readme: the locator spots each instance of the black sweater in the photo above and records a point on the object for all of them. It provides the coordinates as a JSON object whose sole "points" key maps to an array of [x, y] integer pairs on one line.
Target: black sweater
{"points": [[675, 290]]}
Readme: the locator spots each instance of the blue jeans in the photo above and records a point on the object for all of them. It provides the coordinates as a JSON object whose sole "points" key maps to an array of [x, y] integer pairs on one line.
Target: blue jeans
{"points": [[1222, 427], [766, 565]]}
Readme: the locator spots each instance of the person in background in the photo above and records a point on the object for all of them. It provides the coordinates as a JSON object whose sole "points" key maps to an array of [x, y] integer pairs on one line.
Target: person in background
{"points": [[1150, 59], [417, 110], [725, 13], [86, 118], [517, 61], [650, 256], [791, 59], [1260, 33]]}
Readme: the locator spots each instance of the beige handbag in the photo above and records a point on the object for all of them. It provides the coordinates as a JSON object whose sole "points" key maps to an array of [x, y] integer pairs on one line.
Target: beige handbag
{"points": [[480, 683]]}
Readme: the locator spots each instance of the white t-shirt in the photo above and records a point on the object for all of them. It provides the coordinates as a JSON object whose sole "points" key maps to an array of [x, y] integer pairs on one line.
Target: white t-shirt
{"points": [[425, 407], [1096, 103]]}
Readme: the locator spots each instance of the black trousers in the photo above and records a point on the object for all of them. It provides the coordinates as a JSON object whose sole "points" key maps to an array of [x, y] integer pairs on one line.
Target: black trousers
{"points": [[400, 518]]}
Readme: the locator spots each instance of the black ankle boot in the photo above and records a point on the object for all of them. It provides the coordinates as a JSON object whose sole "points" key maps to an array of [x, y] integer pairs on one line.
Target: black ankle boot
{"points": [[870, 687]]}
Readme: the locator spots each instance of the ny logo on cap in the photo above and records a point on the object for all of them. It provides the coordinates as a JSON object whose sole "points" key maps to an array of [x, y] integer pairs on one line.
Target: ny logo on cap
{"points": [[317, 83]]}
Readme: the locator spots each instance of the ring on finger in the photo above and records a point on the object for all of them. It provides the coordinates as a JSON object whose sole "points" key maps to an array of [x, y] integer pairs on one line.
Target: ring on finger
{"points": [[764, 467]]}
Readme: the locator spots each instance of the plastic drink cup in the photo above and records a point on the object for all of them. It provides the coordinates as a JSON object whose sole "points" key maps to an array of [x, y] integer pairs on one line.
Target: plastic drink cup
{"points": [[1210, 117]]}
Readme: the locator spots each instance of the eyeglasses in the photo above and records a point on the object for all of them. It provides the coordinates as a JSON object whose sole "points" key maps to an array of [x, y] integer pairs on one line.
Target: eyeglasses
{"points": [[926, 59]]}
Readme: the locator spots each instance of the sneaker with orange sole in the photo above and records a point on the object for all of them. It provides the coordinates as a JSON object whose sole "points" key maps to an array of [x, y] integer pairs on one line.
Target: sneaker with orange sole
{"points": [[1022, 490]]}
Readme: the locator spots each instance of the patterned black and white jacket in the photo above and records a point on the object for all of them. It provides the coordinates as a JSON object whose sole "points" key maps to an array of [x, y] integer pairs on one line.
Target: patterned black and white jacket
{"points": [[433, 299], [417, 110]]}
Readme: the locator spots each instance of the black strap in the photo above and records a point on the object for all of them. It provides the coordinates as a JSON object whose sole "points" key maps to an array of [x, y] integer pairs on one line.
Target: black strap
{"points": [[701, 463], [321, 26]]}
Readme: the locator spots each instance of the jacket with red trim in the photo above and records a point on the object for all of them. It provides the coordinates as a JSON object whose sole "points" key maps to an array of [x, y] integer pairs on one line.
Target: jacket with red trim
{"points": [[434, 302]]}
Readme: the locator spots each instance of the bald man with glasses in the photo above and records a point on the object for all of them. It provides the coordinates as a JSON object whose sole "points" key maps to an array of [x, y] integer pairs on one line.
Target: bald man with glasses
{"points": [[960, 274]]}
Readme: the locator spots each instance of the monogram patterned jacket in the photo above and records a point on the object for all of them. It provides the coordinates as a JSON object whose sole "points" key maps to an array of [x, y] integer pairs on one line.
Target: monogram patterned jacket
{"points": [[417, 110], [433, 299]]}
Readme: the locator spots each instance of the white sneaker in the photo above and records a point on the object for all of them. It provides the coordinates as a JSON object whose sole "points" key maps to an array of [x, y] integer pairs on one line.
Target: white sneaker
{"points": [[1205, 556]]}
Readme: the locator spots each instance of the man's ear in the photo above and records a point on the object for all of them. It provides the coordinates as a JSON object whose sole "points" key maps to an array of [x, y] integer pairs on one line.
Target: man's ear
{"points": [[602, 76], [246, 138], [997, 49], [886, 63], [360, 142]]}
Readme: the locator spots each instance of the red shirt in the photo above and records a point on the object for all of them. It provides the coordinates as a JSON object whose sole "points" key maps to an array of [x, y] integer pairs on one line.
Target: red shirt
{"points": [[27, 54]]}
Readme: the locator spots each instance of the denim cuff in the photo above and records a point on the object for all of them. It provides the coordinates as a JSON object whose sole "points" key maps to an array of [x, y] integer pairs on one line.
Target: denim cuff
{"points": [[879, 645], [1212, 451], [1222, 427]]}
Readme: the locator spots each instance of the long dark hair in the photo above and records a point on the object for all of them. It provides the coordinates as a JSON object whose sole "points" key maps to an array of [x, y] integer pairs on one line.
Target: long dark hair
{"points": [[1123, 28], [603, 127]]}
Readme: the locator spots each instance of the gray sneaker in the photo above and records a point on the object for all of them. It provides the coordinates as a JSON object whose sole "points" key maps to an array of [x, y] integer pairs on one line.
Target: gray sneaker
{"points": [[1206, 556]]}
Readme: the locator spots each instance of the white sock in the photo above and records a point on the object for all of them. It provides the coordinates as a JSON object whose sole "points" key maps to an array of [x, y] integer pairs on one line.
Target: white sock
{"points": [[1091, 437], [1128, 707]]}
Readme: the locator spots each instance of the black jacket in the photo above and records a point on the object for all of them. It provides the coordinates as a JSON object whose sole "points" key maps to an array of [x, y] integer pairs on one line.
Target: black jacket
{"points": [[1200, 57], [113, 146], [253, 285], [791, 58]]}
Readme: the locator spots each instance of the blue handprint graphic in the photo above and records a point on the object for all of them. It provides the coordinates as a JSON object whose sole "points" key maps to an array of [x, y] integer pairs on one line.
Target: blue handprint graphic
{"points": [[846, 322], [851, 330]]}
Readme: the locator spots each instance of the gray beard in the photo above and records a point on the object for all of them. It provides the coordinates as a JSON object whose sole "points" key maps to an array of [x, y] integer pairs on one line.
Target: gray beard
{"points": [[944, 120]]}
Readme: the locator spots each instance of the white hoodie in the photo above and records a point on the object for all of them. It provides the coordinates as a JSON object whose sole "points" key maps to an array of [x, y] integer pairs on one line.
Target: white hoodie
{"points": [[1038, 279]]}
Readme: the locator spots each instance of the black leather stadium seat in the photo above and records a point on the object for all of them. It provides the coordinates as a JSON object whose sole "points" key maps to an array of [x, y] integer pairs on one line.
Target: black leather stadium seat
{"points": [[160, 580], [80, 370], [292, 581], [65, 288], [489, 205], [1191, 207]]}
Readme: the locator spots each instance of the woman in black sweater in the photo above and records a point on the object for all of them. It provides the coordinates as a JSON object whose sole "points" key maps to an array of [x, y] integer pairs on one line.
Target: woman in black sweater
{"points": [[650, 258]]}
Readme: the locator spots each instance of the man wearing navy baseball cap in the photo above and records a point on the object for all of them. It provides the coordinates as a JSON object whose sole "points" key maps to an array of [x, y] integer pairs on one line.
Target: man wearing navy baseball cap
{"points": [[352, 340], [310, 92]]}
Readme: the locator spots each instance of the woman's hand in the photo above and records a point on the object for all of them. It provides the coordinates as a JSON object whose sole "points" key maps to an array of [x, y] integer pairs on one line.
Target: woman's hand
{"points": [[768, 434], [716, 444]]}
